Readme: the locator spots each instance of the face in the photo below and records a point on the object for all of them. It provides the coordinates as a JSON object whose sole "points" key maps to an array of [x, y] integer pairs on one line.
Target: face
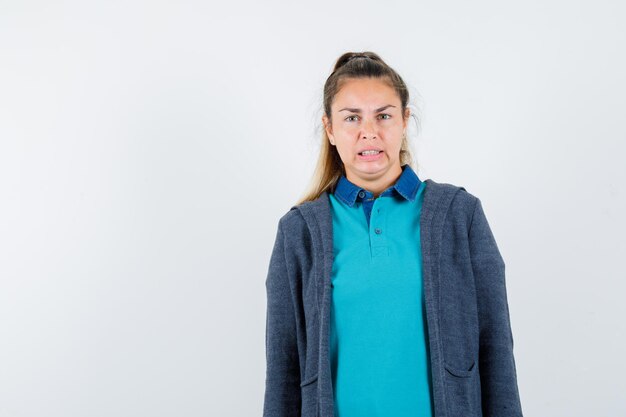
{"points": [[367, 114]]}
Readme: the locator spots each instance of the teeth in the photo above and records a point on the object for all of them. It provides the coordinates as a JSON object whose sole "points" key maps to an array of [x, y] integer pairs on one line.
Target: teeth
{"points": [[370, 152]]}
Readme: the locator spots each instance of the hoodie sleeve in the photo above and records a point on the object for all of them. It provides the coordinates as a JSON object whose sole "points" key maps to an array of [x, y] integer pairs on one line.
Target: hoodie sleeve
{"points": [[498, 378], [282, 383]]}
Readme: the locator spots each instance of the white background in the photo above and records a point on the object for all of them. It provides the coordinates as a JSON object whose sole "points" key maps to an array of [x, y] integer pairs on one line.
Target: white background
{"points": [[148, 149]]}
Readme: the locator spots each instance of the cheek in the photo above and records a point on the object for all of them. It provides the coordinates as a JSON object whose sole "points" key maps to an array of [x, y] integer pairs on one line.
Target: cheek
{"points": [[345, 150], [347, 130]]}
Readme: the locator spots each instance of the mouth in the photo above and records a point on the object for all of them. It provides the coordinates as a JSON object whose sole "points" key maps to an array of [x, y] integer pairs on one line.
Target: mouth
{"points": [[370, 155]]}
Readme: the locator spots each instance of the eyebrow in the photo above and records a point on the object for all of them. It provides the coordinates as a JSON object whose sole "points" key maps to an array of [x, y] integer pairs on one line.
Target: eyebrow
{"points": [[359, 110]]}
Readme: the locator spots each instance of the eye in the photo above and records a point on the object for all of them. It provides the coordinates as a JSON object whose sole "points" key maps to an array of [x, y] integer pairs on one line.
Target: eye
{"points": [[350, 117], [385, 114]]}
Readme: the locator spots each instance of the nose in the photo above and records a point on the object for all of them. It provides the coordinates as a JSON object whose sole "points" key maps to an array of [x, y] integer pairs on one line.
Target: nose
{"points": [[368, 130]]}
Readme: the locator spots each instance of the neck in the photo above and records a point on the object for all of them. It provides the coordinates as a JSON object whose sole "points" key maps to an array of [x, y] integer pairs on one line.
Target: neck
{"points": [[376, 185]]}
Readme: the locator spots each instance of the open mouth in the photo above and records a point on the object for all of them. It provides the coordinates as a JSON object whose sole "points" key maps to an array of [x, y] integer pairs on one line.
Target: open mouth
{"points": [[370, 155]]}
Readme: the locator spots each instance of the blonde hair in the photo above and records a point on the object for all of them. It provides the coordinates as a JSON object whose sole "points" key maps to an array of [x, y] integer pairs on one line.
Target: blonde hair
{"points": [[350, 65]]}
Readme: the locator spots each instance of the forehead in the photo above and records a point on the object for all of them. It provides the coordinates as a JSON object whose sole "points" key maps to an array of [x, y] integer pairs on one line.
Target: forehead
{"points": [[365, 92]]}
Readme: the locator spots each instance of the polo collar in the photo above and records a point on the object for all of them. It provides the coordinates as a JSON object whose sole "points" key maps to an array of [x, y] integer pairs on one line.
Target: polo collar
{"points": [[406, 186]]}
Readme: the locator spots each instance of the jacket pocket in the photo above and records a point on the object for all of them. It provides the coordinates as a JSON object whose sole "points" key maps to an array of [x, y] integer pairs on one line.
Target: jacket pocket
{"points": [[461, 373], [309, 397], [462, 385], [309, 380]]}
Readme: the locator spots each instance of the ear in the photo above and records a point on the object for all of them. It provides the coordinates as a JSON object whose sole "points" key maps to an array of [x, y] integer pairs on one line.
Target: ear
{"points": [[329, 129], [405, 120]]}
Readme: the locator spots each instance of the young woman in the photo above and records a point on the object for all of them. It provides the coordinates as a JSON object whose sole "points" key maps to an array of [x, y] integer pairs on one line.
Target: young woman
{"points": [[386, 294]]}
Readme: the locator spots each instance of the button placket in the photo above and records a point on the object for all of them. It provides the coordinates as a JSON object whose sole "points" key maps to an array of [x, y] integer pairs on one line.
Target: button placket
{"points": [[378, 228]]}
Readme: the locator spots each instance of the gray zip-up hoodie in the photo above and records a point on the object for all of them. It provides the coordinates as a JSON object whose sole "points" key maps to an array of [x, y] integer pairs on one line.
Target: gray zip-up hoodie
{"points": [[467, 313]]}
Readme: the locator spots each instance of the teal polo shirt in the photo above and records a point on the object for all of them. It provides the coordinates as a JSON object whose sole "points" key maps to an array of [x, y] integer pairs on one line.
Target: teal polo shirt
{"points": [[378, 337]]}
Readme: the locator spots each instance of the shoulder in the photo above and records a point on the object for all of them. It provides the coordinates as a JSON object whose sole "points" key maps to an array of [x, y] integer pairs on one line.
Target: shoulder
{"points": [[458, 201], [292, 223], [298, 215], [290, 219]]}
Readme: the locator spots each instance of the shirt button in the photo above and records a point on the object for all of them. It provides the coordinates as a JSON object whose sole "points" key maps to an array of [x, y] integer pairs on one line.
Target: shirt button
{"points": [[361, 194], [378, 231]]}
